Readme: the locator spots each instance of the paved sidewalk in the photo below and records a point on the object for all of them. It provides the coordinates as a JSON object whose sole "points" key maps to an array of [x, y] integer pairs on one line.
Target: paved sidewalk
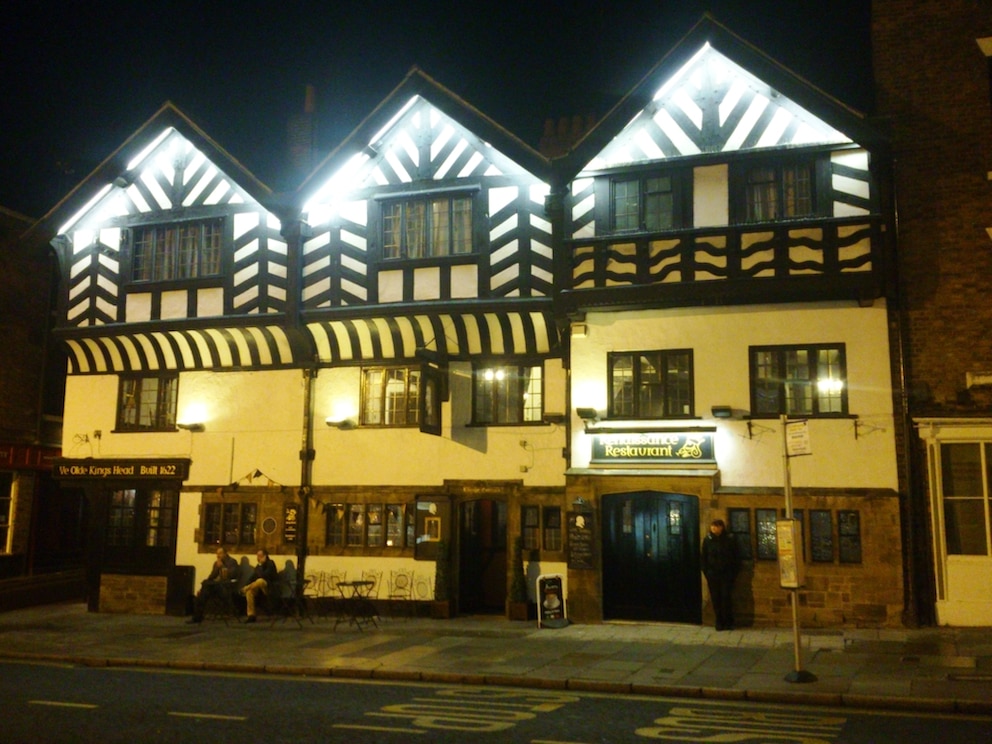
{"points": [[947, 670]]}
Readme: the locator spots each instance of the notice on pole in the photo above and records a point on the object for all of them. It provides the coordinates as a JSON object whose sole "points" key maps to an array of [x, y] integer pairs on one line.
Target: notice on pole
{"points": [[797, 438], [791, 570]]}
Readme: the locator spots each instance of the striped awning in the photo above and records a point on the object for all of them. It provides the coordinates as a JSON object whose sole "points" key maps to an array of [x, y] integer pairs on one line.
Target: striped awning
{"points": [[451, 335], [248, 347]]}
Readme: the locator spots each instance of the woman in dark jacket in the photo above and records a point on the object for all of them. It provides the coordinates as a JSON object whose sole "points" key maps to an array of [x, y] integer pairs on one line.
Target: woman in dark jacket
{"points": [[720, 563]]}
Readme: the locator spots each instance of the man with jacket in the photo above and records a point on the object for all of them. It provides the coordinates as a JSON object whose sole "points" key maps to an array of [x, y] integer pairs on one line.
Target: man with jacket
{"points": [[263, 579], [720, 563], [222, 579]]}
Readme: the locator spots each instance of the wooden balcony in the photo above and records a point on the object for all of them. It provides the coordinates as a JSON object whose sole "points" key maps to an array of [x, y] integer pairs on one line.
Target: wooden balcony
{"points": [[797, 261]]}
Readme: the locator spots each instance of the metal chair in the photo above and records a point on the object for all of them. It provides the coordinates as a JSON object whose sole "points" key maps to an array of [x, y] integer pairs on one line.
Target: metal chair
{"points": [[401, 592]]}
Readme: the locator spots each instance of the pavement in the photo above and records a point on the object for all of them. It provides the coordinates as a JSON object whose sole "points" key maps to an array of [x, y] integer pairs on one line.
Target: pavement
{"points": [[945, 670]]}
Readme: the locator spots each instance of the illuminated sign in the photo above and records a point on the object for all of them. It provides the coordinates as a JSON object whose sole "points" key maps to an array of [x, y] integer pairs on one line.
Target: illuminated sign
{"points": [[137, 469], [660, 447]]}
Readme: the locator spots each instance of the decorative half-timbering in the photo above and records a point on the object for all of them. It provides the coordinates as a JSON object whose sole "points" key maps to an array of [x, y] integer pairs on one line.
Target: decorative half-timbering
{"points": [[428, 203], [709, 184], [170, 231]]}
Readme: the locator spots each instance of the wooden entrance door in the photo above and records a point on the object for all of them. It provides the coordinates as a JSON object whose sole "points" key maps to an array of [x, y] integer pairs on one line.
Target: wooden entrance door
{"points": [[651, 557]]}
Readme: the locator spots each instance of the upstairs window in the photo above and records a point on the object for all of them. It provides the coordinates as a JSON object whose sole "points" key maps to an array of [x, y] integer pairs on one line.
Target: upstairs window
{"points": [[147, 403], [427, 227], [183, 250], [779, 191], [798, 380], [507, 395], [391, 396], [648, 203], [651, 384]]}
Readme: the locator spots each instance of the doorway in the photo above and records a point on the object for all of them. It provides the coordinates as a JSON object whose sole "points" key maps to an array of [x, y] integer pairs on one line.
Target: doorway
{"points": [[651, 557], [482, 557]]}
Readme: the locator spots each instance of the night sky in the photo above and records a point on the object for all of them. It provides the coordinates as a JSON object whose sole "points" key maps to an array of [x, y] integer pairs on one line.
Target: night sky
{"points": [[80, 77]]}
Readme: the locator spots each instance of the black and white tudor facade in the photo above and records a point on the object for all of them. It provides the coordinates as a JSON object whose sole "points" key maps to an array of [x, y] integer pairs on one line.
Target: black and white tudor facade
{"points": [[445, 336]]}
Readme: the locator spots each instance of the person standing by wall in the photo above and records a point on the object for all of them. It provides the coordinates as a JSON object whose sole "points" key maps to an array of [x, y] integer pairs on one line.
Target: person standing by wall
{"points": [[720, 564], [262, 579]]}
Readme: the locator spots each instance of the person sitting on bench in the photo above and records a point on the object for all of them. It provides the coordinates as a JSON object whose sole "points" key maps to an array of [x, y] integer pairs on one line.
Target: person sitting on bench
{"points": [[221, 579], [265, 575]]}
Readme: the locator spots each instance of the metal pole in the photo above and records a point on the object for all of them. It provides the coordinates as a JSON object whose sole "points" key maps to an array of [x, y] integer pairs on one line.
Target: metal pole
{"points": [[798, 674]]}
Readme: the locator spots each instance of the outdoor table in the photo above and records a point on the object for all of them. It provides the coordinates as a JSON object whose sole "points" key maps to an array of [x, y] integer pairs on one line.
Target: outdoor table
{"points": [[358, 608]]}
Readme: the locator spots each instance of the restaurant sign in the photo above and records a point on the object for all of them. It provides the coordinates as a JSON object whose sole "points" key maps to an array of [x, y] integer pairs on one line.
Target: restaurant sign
{"points": [[132, 469], [658, 447]]}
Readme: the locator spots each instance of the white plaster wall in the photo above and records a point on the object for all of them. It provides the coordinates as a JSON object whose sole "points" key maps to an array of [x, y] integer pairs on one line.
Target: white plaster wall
{"points": [[719, 338], [252, 420], [405, 456]]}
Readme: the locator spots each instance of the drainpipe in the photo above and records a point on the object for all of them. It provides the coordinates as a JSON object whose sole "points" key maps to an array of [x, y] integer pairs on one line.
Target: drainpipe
{"points": [[307, 454]]}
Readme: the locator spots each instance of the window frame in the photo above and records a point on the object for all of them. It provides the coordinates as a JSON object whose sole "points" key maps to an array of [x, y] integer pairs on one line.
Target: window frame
{"points": [[638, 386], [742, 199], [412, 378], [498, 404], [127, 538], [785, 388], [342, 532], [245, 524], [166, 400], [170, 251], [680, 190], [467, 244]]}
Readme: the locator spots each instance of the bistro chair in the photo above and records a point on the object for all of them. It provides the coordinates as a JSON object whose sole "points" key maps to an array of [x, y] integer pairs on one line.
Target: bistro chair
{"points": [[401, 592]]}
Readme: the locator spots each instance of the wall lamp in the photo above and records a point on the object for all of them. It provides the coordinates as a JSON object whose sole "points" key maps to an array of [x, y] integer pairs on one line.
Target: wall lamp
{"points": [[722, 412], [343, 424], [589, 415], [192, 427]]}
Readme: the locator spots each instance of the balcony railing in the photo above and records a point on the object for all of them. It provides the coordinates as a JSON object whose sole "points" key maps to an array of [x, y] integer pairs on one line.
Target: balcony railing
{"points": [[836, 256]]}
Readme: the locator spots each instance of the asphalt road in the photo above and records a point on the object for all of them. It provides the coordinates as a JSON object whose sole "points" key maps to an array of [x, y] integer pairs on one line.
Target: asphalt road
{"points": [[65, 704]]}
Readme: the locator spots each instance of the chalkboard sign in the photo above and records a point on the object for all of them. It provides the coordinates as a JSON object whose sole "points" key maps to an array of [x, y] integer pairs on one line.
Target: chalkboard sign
{"points": [[550, 601], [580, 540]]}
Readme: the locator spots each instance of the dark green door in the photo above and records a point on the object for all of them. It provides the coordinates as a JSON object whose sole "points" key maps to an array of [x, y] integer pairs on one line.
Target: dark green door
{"points": [[651, 557], [482, 557]]}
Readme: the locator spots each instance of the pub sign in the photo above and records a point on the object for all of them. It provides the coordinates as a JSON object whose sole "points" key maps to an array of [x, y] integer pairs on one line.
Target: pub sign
{"points": [[657, 447]]}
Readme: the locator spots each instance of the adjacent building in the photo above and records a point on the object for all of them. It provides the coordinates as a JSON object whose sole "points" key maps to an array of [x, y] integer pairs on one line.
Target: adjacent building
{"points": [[931, 67], [445, 337]]}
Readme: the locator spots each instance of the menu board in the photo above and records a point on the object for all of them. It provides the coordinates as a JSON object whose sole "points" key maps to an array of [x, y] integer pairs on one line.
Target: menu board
{"points": [[580, 540], [550, 601]]}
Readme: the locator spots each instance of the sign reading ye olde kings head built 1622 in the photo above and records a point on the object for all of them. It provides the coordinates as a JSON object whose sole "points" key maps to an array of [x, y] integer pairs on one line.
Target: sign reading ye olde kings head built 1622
{"points": [[683, 447]]}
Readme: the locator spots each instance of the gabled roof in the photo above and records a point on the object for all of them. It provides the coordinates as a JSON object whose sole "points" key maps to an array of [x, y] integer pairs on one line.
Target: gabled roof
{"points": [[116, 165], [794, 92], [417, 83]]}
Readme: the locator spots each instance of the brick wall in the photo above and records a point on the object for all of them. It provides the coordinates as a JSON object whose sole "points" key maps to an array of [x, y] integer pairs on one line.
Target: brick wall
{"points": [[932, 94], [140, 595]]}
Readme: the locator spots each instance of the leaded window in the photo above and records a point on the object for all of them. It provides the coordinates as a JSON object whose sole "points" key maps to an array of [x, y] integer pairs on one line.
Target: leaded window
{"points": [[798, 380], [391, 396], [507, 394], [647, 203], [427, 227], [147, 403], [780, 191], [651, 384], [183, 250]]}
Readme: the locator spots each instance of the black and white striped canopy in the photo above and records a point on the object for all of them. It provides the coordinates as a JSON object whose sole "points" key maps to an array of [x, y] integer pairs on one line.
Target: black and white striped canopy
{"points": [[368, 339], [248, 347], [451, 335]]}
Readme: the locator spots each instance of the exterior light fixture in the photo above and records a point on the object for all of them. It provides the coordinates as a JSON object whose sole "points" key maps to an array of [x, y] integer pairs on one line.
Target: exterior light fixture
{"points": [[722, 412], [589, 415], [192, 427], [343, 424]]}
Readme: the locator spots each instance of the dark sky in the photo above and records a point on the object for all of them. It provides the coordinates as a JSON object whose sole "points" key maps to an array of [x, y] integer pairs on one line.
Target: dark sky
{"points": [[80, 77]]}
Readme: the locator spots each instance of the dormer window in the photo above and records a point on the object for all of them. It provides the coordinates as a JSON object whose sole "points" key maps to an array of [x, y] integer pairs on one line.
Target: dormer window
{"points": [[649, 202], [773, 191], [181, 250], [428, 226]]}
